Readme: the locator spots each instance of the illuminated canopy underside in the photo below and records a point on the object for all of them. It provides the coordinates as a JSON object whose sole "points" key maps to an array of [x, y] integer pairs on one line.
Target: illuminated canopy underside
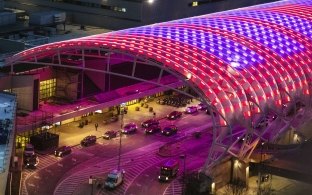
{"points": [[262, 53]]}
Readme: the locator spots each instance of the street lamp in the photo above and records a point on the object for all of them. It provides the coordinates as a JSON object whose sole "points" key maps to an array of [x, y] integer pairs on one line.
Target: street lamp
{"points": [[121, 126], [260, 166], [183, 157], [91, 183]]}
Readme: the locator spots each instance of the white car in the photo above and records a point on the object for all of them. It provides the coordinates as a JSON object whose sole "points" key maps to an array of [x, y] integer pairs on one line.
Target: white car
{"points": [[114, 178], [191, 109]]}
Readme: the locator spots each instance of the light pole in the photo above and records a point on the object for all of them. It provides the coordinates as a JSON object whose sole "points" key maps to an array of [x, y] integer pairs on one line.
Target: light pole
{"points": [[121, 126], [259, 173], [183, 156], [91, 183]]}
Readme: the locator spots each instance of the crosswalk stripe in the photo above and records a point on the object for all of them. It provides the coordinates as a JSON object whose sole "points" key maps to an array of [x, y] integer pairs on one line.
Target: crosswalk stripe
{"points": [[142, 159]]}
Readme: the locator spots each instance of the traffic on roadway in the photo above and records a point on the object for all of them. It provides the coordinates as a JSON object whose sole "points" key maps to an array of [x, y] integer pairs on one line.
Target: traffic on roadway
{"points": [[124, 156]]}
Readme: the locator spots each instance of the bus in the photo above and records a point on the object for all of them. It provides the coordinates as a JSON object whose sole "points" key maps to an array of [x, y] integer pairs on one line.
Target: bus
{"points": [[169, 170]]}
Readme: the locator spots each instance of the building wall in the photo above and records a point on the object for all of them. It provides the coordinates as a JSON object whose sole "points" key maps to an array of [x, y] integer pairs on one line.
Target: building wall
{"points": [[136, 13], [23, 87]]}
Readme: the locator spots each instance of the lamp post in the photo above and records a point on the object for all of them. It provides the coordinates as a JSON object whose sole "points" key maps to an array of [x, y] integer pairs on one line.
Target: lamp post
{"points": [[121, 126], [183, 156], [259, 173], [91, 183]]}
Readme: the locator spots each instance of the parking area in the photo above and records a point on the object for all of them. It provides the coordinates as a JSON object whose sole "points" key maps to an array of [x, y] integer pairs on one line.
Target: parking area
{"points": [[72, 134]]}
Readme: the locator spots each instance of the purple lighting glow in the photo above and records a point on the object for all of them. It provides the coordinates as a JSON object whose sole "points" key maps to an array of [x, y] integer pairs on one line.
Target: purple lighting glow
{"points": [[263, 52]]}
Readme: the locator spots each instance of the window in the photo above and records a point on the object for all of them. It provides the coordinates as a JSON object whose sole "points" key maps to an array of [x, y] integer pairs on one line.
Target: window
{"points": [[198, 3], [195, 3], [95, 5], [47, 88]]}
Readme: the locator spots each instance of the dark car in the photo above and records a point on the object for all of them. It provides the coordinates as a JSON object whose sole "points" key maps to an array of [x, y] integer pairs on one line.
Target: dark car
{"points": [[89, 140], [170, 130], [29, 150], [152, 129], [62, 151], [110, 134], [202, 106], [174, 115], [31, 161], [191, 109], [150, 122], [129, 128]]}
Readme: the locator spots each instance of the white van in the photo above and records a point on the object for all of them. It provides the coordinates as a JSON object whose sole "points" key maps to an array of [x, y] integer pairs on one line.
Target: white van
{"points": [[114, 179]]}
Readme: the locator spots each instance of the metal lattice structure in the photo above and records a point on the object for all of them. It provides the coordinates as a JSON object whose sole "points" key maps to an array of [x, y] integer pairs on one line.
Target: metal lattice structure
{"points": [[252, 66]]}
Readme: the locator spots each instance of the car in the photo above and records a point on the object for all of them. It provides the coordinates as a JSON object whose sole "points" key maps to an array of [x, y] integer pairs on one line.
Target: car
{"points": [[191, 109], [110, 134], [152, 129], [89, 140], [169, 170], [62, 151], [174, 115], [114, 179], [202, 106], [170, 130], [29, 150], [31, 161], [129, 128], [150, 122]]}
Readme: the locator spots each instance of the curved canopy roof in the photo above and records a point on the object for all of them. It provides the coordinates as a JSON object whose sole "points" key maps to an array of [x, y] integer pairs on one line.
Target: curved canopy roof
{"points": [[261, 53]]}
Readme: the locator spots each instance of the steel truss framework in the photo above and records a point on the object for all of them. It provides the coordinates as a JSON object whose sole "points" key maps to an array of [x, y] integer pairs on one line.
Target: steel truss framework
{"points": [[252, 66]]}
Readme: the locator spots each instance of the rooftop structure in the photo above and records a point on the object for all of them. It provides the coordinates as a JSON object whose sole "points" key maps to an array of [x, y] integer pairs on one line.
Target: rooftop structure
{"points": [[252, 66], [120, 14]]}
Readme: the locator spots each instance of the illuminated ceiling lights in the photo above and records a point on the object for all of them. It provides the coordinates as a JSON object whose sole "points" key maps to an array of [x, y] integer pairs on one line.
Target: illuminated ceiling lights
{"points": [[150, 1], [188, 76]]}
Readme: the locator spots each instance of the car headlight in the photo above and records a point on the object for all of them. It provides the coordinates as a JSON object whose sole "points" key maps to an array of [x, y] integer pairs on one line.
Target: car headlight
{"points": [[27, 164], [158, 177], [167, 178]]}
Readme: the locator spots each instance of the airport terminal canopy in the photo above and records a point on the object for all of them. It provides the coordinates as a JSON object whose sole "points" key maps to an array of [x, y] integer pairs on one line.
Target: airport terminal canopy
{"points": [[259, 54]]}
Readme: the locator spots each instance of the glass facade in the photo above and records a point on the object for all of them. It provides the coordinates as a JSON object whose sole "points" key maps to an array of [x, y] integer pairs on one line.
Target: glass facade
{"points": [[47, 88]]}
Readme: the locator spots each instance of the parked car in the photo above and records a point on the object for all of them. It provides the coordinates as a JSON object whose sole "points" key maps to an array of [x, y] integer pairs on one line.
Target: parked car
{"points": [[129, 128], [174, 115], [150, 122], [170, 130], [29, 150], [152, 129], [110, 134], [202, 106], [62, 151], [89, 140], [191, 109]]}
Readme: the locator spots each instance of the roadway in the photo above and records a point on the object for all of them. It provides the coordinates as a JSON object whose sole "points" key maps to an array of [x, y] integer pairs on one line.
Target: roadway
{"points": [[69, 175]]}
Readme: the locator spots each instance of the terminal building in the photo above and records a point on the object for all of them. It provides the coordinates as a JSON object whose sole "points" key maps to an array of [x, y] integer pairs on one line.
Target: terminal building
{"points": [[230, 60]]}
